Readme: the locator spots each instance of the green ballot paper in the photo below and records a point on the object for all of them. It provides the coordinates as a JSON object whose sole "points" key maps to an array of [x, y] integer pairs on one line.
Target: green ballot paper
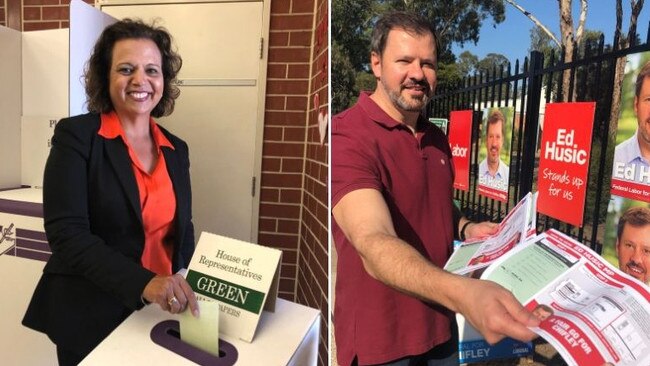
{"points": [[202, 332]]}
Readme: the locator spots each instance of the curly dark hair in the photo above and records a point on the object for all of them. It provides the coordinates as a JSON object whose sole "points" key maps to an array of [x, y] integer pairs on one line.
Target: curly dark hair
{"points": [[98, 67]]}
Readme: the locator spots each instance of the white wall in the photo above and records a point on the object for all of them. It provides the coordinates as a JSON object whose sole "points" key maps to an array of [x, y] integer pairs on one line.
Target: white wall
{"points": [[45, 98], [10, 107]]}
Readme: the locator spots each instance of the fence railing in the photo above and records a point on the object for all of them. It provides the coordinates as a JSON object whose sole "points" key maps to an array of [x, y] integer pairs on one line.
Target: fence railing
{"points": [[527, 87]]}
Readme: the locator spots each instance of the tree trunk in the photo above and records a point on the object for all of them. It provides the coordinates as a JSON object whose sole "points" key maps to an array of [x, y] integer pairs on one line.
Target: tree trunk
{"points": [[623, 42], [619, 73], [566, 28]]}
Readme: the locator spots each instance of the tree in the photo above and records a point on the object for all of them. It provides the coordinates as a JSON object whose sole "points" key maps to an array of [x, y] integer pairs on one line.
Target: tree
{"points": [[351, 26], [540, 41], [623, 42], [456, 21], [492, 62], [343, 90], [569, 37], [467, 63]]}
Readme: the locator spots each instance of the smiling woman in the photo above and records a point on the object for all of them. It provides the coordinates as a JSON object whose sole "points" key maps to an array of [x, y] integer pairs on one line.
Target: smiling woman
{"points": [[116, 198]]}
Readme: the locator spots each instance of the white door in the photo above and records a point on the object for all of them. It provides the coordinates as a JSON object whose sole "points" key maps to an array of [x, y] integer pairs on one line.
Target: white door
{"points": [[217, 112]]}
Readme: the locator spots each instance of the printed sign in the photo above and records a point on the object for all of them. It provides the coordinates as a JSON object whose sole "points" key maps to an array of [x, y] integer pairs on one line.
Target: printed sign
{"points": [[7, 238], [460, 139], [627, 237], [564, 160], [241, 276], [442, 123], [494, 153], [627, 228], [631, 167]]}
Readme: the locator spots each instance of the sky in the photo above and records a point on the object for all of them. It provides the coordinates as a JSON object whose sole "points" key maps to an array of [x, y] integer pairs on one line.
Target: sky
{"points": [[511, 37]]}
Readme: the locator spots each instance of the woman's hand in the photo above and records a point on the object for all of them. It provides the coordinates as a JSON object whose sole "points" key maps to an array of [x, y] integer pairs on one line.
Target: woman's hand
{"points": [[172, 293]]}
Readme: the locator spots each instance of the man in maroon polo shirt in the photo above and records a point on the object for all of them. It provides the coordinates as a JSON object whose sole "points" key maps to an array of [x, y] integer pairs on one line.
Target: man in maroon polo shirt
{"points": [[394, 220]]}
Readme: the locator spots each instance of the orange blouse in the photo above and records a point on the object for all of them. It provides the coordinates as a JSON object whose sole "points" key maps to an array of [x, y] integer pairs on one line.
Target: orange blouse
{"points": [[157, 199]]}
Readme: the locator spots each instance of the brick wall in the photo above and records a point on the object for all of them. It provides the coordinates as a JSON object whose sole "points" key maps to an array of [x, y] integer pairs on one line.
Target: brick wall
{"points": [[313, 267], [28, 15], [293, 208], [3, 13], [294, 161]]}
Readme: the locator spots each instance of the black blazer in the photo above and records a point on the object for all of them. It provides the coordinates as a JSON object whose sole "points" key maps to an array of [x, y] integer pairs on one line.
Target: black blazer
{"points": [[93, 222]]}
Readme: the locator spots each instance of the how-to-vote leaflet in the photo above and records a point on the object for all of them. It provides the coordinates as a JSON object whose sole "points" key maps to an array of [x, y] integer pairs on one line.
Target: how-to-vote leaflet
{"points": [[591, 312], [460, 138], [564, 160], [475, 254], [242, 277]]}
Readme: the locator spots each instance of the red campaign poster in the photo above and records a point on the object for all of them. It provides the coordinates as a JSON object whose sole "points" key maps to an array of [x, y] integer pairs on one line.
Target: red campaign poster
{"points": [[460, 136], [564, 160]]}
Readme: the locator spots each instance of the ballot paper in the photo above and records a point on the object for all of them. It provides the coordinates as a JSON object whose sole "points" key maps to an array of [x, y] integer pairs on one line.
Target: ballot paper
{"points": [[475, 254], [202, 332]]}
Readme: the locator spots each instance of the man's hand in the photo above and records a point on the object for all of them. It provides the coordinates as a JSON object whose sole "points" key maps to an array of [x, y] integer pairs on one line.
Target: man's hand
{"points": [[172, 293], [480, 229], [494, 311]]}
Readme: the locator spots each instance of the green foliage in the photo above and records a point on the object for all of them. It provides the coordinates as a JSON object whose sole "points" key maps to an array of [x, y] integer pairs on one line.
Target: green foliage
{"points": [[456, 21], [365, 81], [351, 27], [542, 42], [492, 63], [343, 86], [467, 63], [449, 76]]}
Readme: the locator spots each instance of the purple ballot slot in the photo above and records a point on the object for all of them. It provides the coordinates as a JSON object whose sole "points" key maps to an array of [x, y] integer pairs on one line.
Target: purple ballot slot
{"points": [[166, 334]]}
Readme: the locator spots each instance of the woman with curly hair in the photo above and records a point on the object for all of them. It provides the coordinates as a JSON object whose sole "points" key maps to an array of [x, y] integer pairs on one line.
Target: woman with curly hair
{"points": [[116, 197]]}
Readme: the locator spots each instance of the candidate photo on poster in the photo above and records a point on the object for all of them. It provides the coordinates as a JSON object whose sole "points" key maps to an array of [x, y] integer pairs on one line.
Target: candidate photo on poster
{"points": [[627, 237], [632, 151], [494, 150]]}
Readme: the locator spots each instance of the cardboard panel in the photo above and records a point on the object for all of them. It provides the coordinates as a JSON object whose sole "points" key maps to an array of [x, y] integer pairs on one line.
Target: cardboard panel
{"points": [[86, 24], [35, 145], [10, 105], [213, 45], [45, 72]]}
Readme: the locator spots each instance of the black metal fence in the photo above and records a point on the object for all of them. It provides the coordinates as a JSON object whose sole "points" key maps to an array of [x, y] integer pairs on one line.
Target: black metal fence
{"points": [[592, 74]]}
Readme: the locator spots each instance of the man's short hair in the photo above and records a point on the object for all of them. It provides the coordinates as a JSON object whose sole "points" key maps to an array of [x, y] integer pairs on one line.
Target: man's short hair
{"points": [[643, 73], [494, 117], [409, 21], [635, 216]]}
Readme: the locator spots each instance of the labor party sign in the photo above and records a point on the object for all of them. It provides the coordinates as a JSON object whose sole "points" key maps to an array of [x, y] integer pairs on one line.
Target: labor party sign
{"points": [[630, 169], [627, 227], [460, 137], [494, 152], [241, 276], [564, 160]]}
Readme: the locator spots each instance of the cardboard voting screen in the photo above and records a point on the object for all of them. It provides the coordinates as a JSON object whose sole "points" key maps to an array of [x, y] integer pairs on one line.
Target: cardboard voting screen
{"points": [[241, 276]]}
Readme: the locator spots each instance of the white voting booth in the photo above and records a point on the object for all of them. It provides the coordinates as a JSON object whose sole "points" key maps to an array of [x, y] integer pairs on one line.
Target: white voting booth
{"points": [[33, 96], [41, 85], [287, 337]]}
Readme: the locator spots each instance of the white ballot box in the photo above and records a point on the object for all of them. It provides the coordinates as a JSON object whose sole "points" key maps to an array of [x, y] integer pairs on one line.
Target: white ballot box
{"points": [[20, 345], [21, 224], [287, 337]]}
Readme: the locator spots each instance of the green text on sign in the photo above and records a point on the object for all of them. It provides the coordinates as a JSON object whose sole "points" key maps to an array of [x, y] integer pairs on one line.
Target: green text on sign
{"points": [[227, 292]]}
